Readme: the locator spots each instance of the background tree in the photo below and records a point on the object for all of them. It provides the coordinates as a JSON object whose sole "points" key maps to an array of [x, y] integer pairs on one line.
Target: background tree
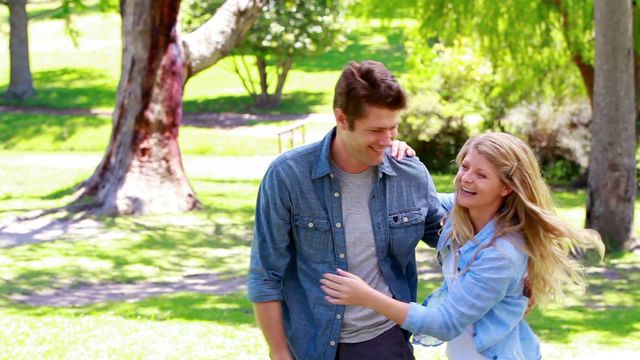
{"points": [[20, 79], [142, 171], [286, 30], [612, 175], [535, 50]]}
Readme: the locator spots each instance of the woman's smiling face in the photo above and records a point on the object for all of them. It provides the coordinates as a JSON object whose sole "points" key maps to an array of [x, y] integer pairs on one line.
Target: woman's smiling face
{"points": [[479, 187]]}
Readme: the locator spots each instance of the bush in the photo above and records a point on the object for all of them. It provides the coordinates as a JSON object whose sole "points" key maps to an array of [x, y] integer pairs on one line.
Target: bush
{"points": [[436, 137], [559, 135]]}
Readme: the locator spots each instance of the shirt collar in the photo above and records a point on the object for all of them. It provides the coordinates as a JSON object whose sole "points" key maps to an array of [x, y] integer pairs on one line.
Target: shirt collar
{"points": [[323, 163]]}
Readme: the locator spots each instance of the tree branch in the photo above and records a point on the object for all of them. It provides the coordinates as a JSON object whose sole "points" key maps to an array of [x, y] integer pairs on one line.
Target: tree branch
{"points": [[219, 35], [587, 70]]}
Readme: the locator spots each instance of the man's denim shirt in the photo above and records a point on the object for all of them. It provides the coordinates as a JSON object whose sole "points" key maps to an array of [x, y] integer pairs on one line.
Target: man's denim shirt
{"points": [[489, 296], [299, 236]]}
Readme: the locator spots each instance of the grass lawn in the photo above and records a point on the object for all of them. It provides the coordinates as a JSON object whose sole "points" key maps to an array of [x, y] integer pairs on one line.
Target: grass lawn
{"points": [[87, 76], [216, 240], [42, 158]]}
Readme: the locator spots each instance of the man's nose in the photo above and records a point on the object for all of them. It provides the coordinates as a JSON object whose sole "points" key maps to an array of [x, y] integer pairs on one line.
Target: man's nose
{"points": [[387, 137]]}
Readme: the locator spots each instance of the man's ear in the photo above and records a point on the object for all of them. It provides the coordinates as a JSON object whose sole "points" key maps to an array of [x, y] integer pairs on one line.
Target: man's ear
{"points": [[341, 119]]}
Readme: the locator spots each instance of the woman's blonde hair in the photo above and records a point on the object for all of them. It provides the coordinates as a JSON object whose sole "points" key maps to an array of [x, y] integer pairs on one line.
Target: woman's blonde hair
{"points": [[550, 243]]}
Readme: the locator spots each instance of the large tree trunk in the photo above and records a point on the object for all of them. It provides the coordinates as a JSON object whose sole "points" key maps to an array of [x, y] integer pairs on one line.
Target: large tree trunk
{"points": [[142, 172], [20, 82], [612, 167]]}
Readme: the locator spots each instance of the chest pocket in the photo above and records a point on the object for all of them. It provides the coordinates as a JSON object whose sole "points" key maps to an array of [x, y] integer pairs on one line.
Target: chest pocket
{"points": [[312, 234], [406, 228]]}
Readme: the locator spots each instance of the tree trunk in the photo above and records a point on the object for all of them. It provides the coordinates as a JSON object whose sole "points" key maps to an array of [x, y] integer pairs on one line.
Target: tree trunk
{"points": [[282, 78], [263, 98], [612, 168], [142, 172], [20, 81]]}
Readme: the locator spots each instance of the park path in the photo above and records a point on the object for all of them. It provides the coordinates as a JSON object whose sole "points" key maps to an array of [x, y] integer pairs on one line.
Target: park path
{"points": [[44, 229], [14, 232], [223, 120]]}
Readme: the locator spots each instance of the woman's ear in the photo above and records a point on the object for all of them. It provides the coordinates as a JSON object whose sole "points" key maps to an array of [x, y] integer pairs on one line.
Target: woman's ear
{"points": [[506, 191]]}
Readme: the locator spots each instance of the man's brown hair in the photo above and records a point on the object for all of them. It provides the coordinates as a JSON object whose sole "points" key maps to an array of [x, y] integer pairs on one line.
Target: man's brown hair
{"points": [[367, 83]]}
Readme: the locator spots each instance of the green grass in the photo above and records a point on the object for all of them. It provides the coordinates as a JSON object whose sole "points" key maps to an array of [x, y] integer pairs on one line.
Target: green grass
{"points": [[217, 240], [87, 76], [44, 133]]}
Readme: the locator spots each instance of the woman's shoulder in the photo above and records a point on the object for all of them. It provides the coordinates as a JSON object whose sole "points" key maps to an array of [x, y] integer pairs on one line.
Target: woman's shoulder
{"points": [[512, 245]]}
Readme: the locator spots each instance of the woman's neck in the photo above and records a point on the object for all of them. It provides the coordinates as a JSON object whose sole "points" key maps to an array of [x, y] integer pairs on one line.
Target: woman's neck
{"points": [[480, 218]]}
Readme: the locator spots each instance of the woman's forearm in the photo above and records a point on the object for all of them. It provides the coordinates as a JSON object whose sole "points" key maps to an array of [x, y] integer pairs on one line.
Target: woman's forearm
{"points": [[391, 308]]}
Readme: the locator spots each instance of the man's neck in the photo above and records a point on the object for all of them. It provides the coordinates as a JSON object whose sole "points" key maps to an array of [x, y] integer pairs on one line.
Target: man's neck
{"points": [[341, 157]]}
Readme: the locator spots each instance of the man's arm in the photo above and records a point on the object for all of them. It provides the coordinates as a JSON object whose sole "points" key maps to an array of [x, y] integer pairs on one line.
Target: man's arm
{"points": [[435, 213], [270, 255], [269, 316]]}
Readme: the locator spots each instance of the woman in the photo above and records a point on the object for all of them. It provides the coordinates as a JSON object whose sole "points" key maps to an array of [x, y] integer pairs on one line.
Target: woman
{"points": [[501, 227]]}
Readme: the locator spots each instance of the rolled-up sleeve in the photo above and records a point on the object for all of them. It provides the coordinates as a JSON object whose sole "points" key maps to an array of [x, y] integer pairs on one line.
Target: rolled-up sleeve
{"points": [[477, 291], [447, 201], [271, 247]]}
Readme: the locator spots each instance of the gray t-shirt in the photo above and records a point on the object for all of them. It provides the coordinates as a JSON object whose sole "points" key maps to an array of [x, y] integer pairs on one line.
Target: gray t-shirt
{"points": [[360, 323]]}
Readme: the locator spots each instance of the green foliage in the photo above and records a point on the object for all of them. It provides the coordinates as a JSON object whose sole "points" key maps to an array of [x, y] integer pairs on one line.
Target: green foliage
{"points": [[285, 31], [285, 28], [456, 92], [559, 135]]}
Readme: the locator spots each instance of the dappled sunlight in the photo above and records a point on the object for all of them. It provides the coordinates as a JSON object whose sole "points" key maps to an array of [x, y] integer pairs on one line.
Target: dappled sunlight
{"points": [[293, 102], [75, 88]]}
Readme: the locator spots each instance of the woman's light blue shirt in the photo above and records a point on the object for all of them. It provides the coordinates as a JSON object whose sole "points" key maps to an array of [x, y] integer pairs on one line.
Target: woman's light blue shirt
{"points": [[487, 296]]}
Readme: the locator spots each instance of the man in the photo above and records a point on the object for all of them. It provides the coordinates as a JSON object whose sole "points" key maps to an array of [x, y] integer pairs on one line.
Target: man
{"points": [[346, 203]]}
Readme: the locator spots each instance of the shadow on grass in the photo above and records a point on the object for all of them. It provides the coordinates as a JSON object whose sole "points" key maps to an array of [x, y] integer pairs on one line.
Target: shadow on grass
{"points": [[216, 240], [298, 102], [609, 305], [16, 129], [62, 192], [75, 88], [232, 309]]}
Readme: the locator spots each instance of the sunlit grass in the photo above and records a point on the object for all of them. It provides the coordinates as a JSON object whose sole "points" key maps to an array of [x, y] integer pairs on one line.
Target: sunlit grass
{"points": [[216, 240], [86, 76], [178, 326], [65, 133]]}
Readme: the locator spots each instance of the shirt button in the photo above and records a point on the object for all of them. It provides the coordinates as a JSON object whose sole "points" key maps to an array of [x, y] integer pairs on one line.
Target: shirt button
{"points": [[338, 316], [405, 219], [495, 357], [341, 256], [332, 343], [331, 175], [338, 225], [336, 194], [310, 225]]}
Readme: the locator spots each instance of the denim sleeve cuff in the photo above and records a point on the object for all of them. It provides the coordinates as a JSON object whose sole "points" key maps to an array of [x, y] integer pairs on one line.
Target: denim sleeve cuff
{"points": [[264, 290], [416, 317]]}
